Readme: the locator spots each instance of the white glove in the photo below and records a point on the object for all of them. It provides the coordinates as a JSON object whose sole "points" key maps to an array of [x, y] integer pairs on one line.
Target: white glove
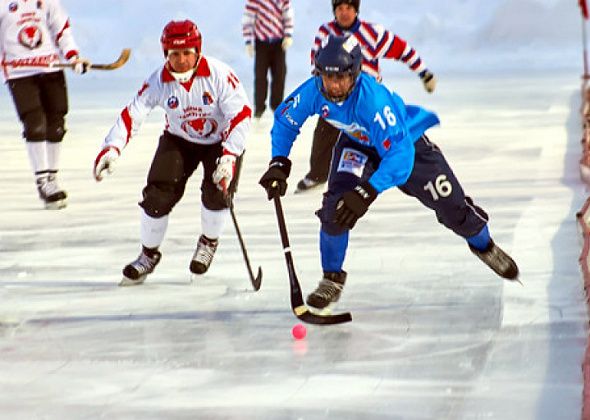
{"points": [[287, 42], [250, 50], [429, 81], [80, 64], [224, 173], [105, 161]]}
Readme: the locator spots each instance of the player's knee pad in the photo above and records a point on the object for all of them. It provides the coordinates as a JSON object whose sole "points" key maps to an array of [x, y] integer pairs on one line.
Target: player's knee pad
{"points": [[328, 225], [34, 126], [56, 127], [158, 202], [212, 198]]}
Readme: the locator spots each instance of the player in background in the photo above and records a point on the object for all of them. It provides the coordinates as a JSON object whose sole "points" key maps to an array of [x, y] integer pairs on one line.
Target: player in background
{"points": [[376, 43], [207, 119], [382, 145], [34, 34], [267, 27]]}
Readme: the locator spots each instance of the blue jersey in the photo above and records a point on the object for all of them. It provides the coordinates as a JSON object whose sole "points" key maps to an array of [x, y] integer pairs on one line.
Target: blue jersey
{"points": [[372, 116]]}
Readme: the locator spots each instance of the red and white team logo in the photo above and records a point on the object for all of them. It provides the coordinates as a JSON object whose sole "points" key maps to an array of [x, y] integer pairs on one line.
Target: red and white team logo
{"points": [[30, 36], [173, 102], [200, 127]]}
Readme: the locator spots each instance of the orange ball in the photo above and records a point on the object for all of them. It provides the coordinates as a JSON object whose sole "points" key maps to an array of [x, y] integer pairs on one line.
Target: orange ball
{"points": [[299, 332]]}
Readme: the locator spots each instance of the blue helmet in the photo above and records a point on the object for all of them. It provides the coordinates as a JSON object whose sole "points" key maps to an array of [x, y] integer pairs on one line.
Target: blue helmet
{"points": [[339, 55]]}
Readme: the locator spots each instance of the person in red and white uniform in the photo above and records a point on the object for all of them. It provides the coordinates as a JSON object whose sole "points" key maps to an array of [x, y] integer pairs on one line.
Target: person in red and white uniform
{"points": [[376, 43], [207, 120], [34, 34], [267, 28]]}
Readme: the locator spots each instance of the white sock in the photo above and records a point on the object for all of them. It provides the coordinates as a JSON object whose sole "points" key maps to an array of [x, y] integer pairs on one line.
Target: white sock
{"points": [[37, 151], [53, 153], [213, 222], [152, 230]]}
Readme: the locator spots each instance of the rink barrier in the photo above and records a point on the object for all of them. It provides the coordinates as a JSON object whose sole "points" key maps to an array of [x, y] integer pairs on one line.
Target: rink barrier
{"points": [[583, 222]]}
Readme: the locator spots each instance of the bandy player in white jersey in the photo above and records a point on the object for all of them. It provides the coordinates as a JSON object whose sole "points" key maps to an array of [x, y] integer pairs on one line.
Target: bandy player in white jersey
{"points": [[33, 34], [207, 119]]}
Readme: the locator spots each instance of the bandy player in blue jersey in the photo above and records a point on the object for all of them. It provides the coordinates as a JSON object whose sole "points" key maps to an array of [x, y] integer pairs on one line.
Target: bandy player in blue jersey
{"points": [[382, 145]]}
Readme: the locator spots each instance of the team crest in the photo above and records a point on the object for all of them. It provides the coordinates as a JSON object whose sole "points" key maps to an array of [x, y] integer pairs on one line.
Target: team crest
{"points": [[325, 111], [200, 127], [207, 98], [13, 7], [30, 36], [173, 102]]}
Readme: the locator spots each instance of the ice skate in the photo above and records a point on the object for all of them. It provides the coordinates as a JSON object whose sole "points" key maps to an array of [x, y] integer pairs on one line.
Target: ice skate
{"points": [[136, 272], [327, 292], [203, 255], [50, 192], [307, 184], [498, 260]]}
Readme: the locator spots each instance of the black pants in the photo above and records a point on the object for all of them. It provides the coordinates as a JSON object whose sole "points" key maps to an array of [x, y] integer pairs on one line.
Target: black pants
{"points": [[432, 182], [41, 103], [174, 162], [325, 137], [269, 56]]}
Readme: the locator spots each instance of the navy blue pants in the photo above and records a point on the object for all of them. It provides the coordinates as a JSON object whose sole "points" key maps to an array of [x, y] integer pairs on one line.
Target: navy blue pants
{"points": [[432, 182]]}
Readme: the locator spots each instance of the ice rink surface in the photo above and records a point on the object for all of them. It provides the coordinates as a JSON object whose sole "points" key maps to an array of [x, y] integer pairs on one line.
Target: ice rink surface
{"points": [[435, 335]]}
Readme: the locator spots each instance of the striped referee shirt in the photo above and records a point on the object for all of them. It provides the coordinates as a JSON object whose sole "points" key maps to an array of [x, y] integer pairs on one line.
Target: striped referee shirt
{"points": [[267, 20], [375, 42]]}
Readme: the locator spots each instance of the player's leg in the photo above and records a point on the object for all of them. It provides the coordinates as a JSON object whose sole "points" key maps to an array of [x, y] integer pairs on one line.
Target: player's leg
{"points": [[433, 183], [166, 181], [55, 104], [26, 95], [214, 212], [351, 164], [325, 137], [261, 66], [278, 71]]}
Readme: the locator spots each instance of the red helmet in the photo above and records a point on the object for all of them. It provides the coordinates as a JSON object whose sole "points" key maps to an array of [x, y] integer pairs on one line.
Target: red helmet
{"points": [[180, 34]]}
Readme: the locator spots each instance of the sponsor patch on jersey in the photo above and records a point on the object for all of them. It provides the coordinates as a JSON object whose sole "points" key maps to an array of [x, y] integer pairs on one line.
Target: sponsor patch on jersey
{"points": [[13, 7], [207, 98], [173, 102], [352, 161], [30, 37], [325, 111]]}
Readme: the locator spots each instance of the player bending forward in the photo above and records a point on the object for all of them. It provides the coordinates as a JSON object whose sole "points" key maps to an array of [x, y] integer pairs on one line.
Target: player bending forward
{"points": [[207, 119], [381, 145]]}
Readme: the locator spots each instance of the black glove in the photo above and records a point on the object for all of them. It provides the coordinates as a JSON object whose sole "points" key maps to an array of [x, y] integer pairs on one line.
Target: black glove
{"points": [[354, 204], [274, 179]]}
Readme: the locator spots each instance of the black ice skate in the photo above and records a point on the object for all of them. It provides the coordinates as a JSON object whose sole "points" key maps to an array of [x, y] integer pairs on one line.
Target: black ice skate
{"points": [[203, 255], [328, 291], [136, 272], [50, 192], [499, 261], [307, 184]]}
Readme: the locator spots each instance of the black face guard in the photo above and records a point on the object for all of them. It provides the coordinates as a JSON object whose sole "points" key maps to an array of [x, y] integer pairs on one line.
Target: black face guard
{"points": [[336, 99]]}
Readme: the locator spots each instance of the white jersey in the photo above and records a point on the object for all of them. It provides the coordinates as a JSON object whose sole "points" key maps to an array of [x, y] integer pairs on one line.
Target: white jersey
{"points": [[33, 32], [211, 107]]}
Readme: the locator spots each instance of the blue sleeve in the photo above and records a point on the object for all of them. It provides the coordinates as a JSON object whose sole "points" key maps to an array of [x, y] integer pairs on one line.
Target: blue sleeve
{"points": [[391, 137], [290, 116], [395, 129]]}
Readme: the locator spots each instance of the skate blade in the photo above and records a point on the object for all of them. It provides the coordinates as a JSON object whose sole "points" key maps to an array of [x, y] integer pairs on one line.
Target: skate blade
{"points": [[130, 282], [56, 205], [323, 311]]}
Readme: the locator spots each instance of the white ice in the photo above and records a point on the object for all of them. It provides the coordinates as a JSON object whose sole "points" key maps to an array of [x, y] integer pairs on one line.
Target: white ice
{"points": [[435, 335]]}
